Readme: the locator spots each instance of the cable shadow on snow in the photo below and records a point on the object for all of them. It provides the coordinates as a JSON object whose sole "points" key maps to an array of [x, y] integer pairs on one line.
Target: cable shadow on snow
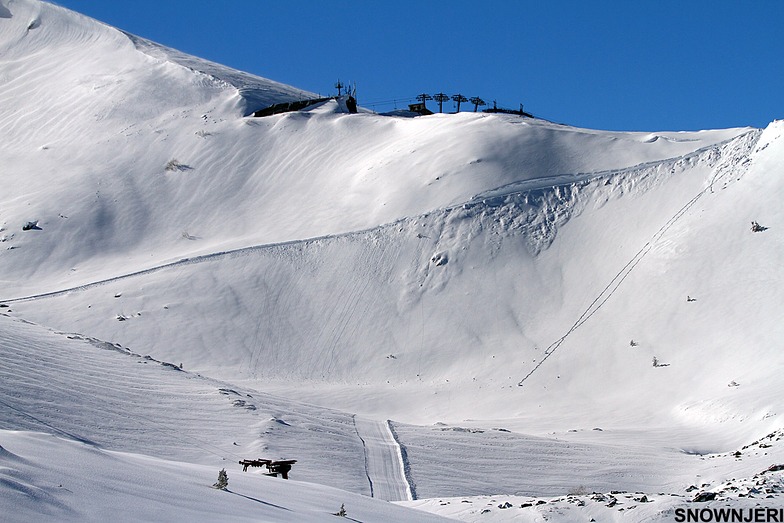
{"points": [[267, 503], [68, 435]]}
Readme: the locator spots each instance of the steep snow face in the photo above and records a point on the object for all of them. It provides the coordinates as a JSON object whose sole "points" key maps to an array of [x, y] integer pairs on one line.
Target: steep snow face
{"points": [[455, 251], [128, 154], [511, 306], [255, 92], [73, 83]]}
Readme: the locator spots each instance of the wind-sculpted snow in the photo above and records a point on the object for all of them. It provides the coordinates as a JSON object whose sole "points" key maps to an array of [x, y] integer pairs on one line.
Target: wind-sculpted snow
{"points": [[543, 310], [112, 397], [47, 478], [467, 300], [92, 118], [256, 92]]}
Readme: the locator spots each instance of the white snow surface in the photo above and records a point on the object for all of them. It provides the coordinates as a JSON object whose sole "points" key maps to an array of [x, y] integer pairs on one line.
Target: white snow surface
{"points": [[384, 460], [194, 286]]}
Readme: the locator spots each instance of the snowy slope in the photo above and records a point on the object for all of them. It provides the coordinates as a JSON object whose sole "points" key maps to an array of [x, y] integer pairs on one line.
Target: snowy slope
{"points": [[374, 307], [174, 429], [45, 478], [496, 286], [92, 123]]}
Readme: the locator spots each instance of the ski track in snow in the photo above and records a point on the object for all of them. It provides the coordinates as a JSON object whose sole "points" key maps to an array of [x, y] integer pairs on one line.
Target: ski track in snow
{"points": [[383, 461]]}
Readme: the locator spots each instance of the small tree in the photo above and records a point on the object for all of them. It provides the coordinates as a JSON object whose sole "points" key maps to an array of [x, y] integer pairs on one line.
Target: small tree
{"points": [[223, 480]]}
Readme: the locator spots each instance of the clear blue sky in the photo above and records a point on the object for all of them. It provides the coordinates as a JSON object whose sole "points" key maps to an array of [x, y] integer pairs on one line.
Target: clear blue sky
{"points": [[615, 64]]}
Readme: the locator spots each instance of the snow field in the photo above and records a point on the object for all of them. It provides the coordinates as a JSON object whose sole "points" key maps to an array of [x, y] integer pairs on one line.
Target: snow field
{"points": [[499, 287], [45, 478]]}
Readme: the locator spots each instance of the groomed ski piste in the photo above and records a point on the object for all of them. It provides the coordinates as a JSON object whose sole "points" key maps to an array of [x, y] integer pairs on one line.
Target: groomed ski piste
{"points": [[469, 316]]}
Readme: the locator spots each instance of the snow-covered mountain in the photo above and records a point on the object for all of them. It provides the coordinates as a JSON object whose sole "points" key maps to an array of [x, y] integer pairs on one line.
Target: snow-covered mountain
{"points": [[185, 285]]}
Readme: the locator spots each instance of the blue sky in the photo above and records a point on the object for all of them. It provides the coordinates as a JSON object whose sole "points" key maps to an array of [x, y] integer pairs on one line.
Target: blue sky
{"points": [[615, 64]]}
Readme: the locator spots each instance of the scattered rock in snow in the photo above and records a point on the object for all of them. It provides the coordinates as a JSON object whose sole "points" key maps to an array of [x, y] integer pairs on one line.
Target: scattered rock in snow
{"points": [[175, 166], [244, 404], [228, 391], [702, 497], [440, 258]]}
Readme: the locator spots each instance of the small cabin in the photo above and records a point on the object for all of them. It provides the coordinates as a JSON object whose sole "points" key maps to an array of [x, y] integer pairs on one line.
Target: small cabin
{"points": [[419, 108]]}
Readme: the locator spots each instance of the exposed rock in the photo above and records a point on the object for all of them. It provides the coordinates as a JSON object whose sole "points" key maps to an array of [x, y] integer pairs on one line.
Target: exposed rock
{"points": [[702, 497]]}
